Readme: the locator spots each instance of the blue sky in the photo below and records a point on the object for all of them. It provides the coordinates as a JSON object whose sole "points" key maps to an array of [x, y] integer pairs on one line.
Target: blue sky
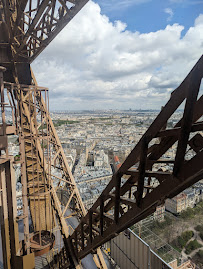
{"points": [[150, 15]]}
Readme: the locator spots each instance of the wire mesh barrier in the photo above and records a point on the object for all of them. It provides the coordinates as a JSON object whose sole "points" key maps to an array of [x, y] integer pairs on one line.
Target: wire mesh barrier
{"points": [[158, 245], [129, 251]]}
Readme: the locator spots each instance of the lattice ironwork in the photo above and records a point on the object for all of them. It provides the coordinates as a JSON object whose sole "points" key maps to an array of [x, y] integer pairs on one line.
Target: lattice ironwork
{"points": [[132, 195], [32, 25], [26, 28], [44, 168]]}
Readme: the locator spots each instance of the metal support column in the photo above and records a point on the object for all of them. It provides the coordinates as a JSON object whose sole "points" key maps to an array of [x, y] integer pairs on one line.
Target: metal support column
{"points": [[11, 201], [4, 219], [26, 246]]}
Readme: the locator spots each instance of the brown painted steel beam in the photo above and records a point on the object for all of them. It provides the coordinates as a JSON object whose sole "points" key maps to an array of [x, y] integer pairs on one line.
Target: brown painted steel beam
{"points": [[35, 24], [61, 24], [137, 172], [5, 237], [12, 212], [186, 124], [177, 97]]}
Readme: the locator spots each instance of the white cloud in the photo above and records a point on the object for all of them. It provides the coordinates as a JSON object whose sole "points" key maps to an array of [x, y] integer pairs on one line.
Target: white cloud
{"points": [[96, 64], [169, 11]]}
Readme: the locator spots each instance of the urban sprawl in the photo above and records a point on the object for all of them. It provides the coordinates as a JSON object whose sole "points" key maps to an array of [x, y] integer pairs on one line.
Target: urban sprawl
{"points": [[97, 142]]}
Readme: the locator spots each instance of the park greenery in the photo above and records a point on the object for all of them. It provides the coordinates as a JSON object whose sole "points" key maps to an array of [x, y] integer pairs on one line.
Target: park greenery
{"points": [[100, 119], [199, 228], [58, 123], [192, 245], [157, 225], [180, 242], [182, 232], [189, 213], [198, 258]]}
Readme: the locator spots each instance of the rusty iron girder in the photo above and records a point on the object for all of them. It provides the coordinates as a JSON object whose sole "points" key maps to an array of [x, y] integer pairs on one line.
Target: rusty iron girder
{"points": [[130, 196], [32, 25]]}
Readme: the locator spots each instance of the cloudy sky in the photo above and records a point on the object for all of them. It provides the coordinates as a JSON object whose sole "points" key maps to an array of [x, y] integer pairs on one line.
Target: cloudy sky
{"points": [[122, 54]]}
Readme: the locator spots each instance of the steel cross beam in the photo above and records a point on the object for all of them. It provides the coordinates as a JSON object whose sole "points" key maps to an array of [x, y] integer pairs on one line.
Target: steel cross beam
{"points": [[41, 142], [34, 134], [128, 199], [32, 25], [41, 190]]}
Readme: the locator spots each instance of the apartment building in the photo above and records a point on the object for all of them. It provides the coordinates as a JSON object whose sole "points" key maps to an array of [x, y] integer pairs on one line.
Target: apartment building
{"points": [[177, 204]]}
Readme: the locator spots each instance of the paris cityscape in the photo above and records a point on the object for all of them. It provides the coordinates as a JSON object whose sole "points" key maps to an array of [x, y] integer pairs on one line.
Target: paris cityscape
{"points": [[95, 144], [101, 134]]}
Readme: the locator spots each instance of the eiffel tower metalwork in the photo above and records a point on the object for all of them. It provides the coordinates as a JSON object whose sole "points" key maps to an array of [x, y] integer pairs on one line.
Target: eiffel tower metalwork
{"points": [[131, 194], [26, 28]]}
